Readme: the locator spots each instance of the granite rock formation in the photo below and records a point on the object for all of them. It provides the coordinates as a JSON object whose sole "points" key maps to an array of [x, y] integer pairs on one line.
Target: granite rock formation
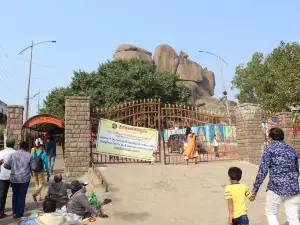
{"points": [[126, 51], [200, 81], [165, 59]]}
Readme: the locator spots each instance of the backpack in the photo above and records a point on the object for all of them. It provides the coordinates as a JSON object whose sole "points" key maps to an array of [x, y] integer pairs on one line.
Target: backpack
{"points": [[37, 163]]}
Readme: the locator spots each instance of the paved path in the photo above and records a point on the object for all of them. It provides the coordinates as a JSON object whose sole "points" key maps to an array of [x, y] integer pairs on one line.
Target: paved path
{"points": [[176, 195]]}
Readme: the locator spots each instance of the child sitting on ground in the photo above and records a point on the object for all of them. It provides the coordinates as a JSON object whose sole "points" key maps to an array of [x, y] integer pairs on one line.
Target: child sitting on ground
{"points": [[235, 193]]}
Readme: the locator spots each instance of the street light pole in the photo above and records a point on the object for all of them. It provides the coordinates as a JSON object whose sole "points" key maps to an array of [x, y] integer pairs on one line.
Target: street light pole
{"points": [[224, 89], [28, 85], [223, 81], [29, 75], [39, 102]]}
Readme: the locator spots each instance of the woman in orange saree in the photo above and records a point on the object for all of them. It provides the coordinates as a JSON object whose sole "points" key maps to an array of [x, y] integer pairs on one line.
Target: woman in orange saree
{"points": [[191, 151]]}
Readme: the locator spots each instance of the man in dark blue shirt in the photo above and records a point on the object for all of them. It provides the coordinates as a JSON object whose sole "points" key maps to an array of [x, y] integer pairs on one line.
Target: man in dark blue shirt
{"points": [[281, 161], [51, 152]]}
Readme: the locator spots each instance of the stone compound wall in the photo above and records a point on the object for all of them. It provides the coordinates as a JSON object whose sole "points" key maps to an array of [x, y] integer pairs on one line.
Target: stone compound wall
{"points": [[15, 123], [285, 122], [77, 136], [249, 132]]}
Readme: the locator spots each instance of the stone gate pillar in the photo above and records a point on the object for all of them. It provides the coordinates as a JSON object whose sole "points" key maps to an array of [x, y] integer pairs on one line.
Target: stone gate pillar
{"points": [[249, 132], [285, 122], [77, 136], [15, 123]]}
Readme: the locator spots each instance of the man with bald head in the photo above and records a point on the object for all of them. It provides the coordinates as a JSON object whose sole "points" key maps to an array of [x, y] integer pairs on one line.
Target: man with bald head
{"points": [[5, 175]]}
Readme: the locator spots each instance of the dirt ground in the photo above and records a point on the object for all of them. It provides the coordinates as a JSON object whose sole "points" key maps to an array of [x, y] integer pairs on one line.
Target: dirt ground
{"points": [[165, 195], [177, 195]]}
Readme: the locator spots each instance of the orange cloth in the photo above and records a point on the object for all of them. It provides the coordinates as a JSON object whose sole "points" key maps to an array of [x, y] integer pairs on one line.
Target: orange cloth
{"points": [[191, 147]]}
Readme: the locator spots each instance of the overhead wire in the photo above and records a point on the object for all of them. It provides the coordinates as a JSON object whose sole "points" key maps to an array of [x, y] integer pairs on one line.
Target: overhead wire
{"points": [[6, 75], [4, 72]]}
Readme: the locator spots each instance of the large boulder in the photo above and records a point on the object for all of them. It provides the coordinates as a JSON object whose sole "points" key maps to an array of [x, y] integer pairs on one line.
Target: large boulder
{"points": [[126, 52], [209, 82], [211, 103], [165, 59], [200, 81], [189, 70], [197, 91]]}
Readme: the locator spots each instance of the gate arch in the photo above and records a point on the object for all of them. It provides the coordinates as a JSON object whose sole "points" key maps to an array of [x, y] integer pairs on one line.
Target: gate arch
{"points": [[43, 124]]}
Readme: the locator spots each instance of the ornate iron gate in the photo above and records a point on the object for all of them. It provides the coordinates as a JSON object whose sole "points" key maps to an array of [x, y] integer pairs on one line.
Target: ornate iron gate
{"points": [[169, 120], [205, 124], [143, 113]]}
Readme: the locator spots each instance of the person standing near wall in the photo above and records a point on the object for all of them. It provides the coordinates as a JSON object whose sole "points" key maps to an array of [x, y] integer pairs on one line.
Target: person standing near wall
{"points": [[5, 175]]}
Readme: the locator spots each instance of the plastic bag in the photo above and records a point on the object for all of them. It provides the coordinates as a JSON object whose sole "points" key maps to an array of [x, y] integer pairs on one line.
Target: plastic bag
{"points": [[94, 201], [73, 218]]}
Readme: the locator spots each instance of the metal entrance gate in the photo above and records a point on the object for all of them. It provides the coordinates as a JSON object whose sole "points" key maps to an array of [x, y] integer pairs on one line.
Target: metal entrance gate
{"points": [[170, 121], [205, 124], [144, 113]]}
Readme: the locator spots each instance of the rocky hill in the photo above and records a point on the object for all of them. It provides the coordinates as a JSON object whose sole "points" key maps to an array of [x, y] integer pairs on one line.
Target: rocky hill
{"points": [[199, 80]]}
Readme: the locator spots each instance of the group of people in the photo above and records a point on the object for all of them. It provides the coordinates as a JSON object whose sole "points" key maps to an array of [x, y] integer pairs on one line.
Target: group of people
{"points": [[281, 162], [57, 198], [18, 166]]}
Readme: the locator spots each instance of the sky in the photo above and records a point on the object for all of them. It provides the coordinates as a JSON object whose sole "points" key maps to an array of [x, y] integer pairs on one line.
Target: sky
{"points": [[88, 33]]}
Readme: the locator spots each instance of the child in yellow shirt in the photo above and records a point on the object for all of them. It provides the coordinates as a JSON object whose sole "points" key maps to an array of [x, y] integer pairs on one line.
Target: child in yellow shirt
{"points": [[235, 193]]}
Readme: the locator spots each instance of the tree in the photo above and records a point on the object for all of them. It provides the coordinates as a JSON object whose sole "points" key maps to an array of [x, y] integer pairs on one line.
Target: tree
{"points": [[55, 101], [118, 81], [272, 81]]}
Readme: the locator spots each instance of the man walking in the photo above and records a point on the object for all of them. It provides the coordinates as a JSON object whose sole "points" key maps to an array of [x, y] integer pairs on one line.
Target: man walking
{"points": [[5, 175], [39, 164], [51, 152], [19, 164], [281, 161]]}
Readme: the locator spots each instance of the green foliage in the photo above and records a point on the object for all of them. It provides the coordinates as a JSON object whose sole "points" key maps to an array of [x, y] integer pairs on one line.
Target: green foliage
{"points": [[118, 81], [55, 101], [272, 81]]}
